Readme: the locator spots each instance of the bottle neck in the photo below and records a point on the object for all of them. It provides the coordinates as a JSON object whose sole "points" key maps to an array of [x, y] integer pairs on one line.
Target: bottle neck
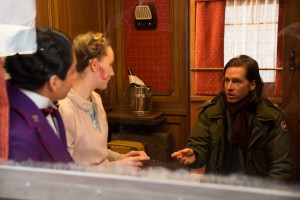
{"points": [[129, 71]]}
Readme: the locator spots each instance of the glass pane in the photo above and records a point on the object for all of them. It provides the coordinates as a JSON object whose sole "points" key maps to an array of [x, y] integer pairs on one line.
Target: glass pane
{"points": [[252, 30]]}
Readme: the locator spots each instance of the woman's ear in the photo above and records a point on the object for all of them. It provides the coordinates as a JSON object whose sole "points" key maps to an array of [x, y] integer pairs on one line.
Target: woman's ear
{"points": [[94, 64]]}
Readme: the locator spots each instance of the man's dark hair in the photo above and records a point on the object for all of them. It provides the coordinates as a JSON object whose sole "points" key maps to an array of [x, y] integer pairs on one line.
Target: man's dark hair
{"points": [[54, 56], [252, 74]]}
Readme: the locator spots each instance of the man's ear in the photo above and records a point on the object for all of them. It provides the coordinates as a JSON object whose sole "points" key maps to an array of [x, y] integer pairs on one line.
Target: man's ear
{"points": [[252, 85], [53, 82]]}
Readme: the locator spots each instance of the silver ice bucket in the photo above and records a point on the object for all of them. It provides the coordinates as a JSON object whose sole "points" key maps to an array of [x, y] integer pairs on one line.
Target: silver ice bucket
{"points": [[139, 98]]}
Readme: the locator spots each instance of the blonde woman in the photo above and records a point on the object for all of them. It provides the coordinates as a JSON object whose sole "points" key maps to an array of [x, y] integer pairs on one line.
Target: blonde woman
{"points": [[82, 110]]}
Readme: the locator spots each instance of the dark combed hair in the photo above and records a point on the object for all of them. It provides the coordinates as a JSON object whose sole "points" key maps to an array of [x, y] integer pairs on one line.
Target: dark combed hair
{"points": [[54, 56], [89, 45], [252, 74]]}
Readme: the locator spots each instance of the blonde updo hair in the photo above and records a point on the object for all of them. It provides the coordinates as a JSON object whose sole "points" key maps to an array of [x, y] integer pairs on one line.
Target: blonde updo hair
{"points": [[88, 46]]}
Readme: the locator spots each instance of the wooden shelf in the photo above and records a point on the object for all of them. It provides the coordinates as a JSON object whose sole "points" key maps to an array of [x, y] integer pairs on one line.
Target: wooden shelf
{"points": [[125, 117]]}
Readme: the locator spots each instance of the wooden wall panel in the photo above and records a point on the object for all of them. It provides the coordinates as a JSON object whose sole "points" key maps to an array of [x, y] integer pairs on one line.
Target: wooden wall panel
{"points": [[83, 15], [43, 13], [178, 126], [291, 84], [76, 16], [72, 16], [114, 31]]}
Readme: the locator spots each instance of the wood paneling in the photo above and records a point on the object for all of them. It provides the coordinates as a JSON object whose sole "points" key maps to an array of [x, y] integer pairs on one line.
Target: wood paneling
{"points": [[79, 16], [178, 126], [291, 85], [71, 16], [114, 31], [43, 13]]}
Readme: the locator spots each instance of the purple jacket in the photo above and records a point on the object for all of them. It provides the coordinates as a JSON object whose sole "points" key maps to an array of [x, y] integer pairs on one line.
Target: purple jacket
{"points": [[30, 135]]}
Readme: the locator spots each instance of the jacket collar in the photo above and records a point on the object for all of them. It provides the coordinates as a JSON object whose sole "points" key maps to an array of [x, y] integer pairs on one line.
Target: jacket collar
{"points": [[39, 100], [31, 113], [218, 109], [264, 112]]}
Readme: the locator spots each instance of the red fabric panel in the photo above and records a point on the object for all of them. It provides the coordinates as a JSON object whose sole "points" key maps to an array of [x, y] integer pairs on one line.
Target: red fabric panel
{"points": [[209, 46], [148, 52], [280, 44], [4, 114]]}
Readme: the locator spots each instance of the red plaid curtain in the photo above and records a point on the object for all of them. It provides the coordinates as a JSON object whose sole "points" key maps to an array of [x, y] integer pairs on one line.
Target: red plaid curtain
{"points": [[209, 45], [4, 114]]}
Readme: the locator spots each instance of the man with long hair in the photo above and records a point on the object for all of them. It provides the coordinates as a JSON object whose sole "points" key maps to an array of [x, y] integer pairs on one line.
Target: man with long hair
{"points": [[240, 131]]}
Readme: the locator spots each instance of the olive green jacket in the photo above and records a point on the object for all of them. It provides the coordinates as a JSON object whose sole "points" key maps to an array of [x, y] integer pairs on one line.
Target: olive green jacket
{"points": [[269, 152]]}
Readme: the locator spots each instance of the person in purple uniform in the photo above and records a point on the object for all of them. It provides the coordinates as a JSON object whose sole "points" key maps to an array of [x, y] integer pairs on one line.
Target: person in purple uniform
{"points": [[37, 81]]}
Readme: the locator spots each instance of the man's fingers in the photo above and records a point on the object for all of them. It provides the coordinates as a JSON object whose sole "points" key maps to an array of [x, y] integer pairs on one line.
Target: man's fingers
{"points": [[175, 154]]}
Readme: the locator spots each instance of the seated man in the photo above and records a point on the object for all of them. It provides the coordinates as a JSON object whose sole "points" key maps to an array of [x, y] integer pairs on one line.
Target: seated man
{"points": [[36, 82], [240, 131]]}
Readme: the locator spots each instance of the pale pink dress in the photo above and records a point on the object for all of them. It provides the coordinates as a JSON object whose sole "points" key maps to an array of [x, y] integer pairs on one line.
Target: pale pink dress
{"points": [[87, 141]]}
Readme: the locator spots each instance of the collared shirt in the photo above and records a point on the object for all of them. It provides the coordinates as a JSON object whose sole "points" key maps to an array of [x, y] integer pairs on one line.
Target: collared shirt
{"points": [[43, 102]]}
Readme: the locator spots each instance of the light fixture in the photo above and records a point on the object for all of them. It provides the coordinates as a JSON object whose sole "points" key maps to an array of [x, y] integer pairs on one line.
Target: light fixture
{"points": [[145, 16]]}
